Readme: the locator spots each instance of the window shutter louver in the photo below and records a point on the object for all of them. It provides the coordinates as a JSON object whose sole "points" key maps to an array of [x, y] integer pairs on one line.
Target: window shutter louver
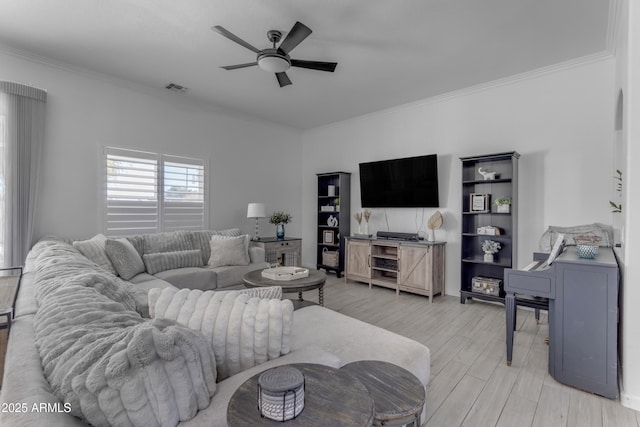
{"points": [[183, 205], [132, 192], [149, 193]]}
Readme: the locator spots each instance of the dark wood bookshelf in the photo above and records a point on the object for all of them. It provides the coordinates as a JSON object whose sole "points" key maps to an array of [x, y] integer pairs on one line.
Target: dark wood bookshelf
{"points": [[472, 257]]}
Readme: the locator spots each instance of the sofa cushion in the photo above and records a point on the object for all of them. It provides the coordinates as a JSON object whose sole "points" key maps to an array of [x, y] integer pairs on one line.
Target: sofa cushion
{"points": [[24, 382], [140, 290], [162, 261], [94, 249], [190, 277], [111, 366], [352, 339], [26, 303], [167, 242], [201, 240], [124, 258], [265, 292], [243, 331], [229, 251], [229, 232], [232, 275]]}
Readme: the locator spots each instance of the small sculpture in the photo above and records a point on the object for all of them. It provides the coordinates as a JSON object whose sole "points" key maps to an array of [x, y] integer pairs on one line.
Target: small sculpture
{"points": [[434, 223], [486, 174]]}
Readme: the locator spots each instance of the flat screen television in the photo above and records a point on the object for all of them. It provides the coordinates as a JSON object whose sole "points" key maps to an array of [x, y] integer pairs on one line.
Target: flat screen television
{"points": [[410, 182]]}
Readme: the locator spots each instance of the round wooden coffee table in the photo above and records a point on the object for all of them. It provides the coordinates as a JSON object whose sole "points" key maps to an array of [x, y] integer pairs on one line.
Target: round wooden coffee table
{"points": [[332, 397], [315, 280], [398, 396]]}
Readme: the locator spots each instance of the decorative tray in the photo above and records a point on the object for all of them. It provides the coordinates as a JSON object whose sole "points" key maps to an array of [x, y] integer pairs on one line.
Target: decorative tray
{"points": [[285, 273]]}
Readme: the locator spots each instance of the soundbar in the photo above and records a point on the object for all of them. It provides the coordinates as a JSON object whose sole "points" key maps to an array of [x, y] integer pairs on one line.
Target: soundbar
{"points": [[394, 235]]}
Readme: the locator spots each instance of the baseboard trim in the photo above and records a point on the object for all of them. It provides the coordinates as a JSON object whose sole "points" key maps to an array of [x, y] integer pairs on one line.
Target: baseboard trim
{"points": [[630, 401]]}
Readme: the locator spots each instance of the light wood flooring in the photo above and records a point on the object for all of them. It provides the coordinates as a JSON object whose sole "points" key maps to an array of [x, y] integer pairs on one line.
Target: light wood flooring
{"points": [[471, 385]]}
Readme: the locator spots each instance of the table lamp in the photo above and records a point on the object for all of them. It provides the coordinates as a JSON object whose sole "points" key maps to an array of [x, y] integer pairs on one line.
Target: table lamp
{"points": [[256, 210]]}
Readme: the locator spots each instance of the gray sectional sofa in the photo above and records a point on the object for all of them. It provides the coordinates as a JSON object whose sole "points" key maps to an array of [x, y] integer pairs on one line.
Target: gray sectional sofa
{"points": [[64, 298]]}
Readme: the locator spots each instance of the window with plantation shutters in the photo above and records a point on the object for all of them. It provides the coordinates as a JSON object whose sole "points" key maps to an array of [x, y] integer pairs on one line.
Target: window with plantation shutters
{"points": [[149, 192], [183, 190]]}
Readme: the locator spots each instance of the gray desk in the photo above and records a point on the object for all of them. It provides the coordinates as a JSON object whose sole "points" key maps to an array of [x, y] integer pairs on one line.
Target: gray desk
{"points": [[583, 317]]}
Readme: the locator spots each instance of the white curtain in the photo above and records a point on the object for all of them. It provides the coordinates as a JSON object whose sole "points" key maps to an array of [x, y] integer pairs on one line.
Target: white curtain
{"points": [[22, 122]]}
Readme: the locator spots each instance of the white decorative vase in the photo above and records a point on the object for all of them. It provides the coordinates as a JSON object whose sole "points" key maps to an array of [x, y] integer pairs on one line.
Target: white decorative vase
{"points": [[366, 228], [431, 236], [488, 257]]}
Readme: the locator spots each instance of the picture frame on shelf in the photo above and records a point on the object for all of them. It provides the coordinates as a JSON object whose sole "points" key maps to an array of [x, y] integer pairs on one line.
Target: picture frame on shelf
{"points": [[479, 202], [328, 237]]}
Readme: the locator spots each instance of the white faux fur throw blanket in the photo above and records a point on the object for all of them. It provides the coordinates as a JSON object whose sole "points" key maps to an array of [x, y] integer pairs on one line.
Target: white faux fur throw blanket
{"points": [[244, 330], [99, 355]]}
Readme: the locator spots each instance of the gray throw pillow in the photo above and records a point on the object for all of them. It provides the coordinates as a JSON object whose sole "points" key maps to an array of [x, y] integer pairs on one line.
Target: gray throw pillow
{"points": [[168, 241], [162, 261], [229, 251], [95, 251], [124, 257]]}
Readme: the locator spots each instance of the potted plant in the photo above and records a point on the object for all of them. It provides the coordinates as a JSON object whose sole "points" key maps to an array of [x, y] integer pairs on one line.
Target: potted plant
{"points": [[336, 203], [490, 247], [504, 204], [279, 219]]}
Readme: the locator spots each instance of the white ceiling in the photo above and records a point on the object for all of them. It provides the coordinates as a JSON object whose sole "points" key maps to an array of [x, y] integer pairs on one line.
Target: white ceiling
{"points": [[389, 52]]}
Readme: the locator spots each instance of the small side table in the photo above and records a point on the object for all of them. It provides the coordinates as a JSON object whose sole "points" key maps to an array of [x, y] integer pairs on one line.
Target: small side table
{"points": [[315, 280], [332, 398], [287, 252], [398, 396], [9, 285]]}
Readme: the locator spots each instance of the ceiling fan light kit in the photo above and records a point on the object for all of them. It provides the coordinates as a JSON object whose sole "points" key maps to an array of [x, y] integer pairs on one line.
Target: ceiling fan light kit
{"points": [[276, 60], [273, 62]]}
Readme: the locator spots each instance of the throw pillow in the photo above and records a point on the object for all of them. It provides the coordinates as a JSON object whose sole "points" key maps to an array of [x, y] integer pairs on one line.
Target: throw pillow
{"points": [[269, 292], [229, 250], [94, 250], [169, 241], [171, 260], [243, 331], [124, 257]]}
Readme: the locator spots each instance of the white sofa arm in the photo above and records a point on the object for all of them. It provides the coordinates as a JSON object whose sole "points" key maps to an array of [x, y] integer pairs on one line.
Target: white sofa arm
{"points": [[256, 254]]}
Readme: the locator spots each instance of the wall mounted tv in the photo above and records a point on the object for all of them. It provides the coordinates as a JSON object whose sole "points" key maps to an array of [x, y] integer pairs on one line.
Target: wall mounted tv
{"points": [[410, 182]]}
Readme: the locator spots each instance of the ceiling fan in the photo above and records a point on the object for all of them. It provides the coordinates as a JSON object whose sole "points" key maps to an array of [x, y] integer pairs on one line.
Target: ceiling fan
{"points": [[277, 60]]}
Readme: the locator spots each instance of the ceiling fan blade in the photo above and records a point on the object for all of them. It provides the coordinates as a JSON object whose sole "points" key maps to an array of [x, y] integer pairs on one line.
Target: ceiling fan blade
{"points": [[298, 32], [235, 67], [221, 30], [314, 65], [283, 79]]}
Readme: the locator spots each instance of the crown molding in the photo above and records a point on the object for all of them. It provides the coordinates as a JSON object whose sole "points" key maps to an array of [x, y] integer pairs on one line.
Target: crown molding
{"points": [[178, 99], [506, 81]]}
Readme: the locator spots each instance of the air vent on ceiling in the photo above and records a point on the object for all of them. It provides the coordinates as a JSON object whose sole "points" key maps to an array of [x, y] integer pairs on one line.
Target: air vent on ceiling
{"points": [[176, 88]]}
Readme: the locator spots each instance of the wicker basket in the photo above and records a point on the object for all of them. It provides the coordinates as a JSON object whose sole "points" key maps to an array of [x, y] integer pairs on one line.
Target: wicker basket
{"points": [[330, 258]]}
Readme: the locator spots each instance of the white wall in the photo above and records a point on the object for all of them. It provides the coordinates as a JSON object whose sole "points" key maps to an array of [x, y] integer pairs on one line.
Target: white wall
{"points": [[629, 80], [86, 111], [561, 123]]}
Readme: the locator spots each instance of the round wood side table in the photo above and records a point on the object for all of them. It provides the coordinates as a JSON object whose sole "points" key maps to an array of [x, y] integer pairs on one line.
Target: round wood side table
{"points": [[397, 394], [315, 280], [332, 398]]}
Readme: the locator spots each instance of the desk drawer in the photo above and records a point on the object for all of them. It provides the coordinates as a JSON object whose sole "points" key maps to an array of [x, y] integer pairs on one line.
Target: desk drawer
{"points": [[523, 282]]}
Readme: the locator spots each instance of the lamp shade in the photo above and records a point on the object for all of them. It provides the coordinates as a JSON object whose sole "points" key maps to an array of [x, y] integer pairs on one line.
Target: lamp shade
{"points": [[256, 210]]}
